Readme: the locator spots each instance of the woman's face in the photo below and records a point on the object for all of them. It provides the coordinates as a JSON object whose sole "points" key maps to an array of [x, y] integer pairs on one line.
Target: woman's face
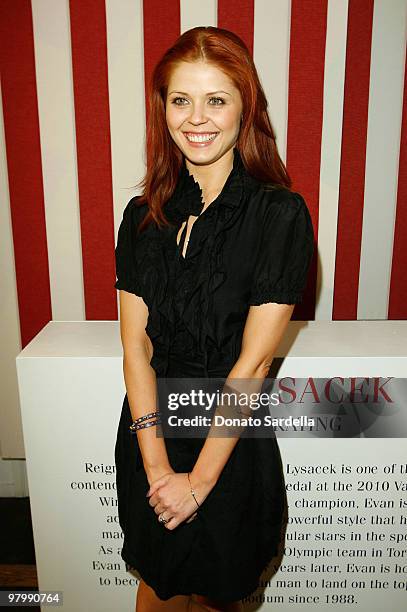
{"points": [[203, 110]]}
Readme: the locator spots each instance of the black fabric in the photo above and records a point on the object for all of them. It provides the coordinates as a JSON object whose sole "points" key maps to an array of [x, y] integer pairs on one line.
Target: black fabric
{"points": [[252, 245]]}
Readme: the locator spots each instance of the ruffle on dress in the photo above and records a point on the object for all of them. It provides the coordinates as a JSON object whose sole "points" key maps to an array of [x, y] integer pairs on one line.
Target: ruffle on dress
{"points": [[205, 267]]}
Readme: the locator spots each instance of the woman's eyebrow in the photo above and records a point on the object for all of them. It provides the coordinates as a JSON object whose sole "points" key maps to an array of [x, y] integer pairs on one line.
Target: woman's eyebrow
{"points": [[211, 93]]}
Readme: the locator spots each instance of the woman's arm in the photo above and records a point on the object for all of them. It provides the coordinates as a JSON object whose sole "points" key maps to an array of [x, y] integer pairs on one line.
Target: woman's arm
{"points": [[264, 329], [140, 380]]}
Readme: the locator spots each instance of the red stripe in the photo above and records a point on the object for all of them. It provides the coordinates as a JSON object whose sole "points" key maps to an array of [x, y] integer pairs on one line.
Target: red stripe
{"points": [[22, 135], [398, 281], [238, 16], [304, 132], [353, 160], [162, 26], [91, 99]]}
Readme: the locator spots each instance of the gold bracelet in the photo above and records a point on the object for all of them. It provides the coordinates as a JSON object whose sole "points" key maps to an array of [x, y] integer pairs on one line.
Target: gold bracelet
{"points": [[192, 491]]}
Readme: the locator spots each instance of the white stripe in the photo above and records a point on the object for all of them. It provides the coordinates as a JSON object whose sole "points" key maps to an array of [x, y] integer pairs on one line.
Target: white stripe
{"points": [[11, 440], [58, 154], [334, 80], [126, 100], [271, 56], [202, 13], [382, 156]]}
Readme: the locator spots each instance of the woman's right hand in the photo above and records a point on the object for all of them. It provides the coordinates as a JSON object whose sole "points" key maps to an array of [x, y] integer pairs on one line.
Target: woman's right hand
{"points": [[172, 494], [154, 474]]}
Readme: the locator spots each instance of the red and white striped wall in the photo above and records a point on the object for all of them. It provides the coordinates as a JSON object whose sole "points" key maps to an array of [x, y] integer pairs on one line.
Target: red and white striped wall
{"points": [[73, 115]]}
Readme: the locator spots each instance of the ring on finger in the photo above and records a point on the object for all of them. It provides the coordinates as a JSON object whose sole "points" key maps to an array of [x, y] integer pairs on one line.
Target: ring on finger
{"points": [[162, 519]]}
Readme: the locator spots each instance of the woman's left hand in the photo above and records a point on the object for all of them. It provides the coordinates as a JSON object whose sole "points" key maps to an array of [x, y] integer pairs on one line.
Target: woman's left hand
{"points": [[171, 496]]}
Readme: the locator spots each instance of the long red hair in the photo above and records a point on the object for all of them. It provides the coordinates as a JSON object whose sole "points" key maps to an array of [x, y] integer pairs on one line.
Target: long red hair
{"points": [[256, 142]]}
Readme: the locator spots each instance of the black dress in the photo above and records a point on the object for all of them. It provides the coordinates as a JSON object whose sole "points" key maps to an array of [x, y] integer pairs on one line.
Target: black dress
{"points": [[252, 245]]}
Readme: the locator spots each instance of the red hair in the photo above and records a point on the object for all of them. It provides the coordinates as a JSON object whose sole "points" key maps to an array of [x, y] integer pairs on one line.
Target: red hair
{"points": [[256, 142]]}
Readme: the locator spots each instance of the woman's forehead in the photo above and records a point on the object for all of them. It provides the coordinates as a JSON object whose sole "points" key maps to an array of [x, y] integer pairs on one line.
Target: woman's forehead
{"points": [[198, 75]]}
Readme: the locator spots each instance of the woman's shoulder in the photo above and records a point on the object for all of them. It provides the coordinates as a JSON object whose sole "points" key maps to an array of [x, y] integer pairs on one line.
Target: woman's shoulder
{"points": [[271, 200], [133, 213], [135, 209]]}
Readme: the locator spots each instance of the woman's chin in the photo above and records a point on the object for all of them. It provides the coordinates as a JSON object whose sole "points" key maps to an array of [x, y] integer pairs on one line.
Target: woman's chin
{"points": [[204, 156]]}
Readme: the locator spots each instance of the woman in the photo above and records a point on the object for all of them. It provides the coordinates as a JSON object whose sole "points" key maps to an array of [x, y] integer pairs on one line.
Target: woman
{"points": [[210, 261]]}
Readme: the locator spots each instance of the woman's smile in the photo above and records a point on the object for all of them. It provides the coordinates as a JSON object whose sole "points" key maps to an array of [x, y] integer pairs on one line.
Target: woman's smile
{"points": [[200, 139]]}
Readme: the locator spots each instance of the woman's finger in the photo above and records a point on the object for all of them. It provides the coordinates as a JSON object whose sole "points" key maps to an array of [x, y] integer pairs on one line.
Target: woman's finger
{"points": [[191, 518], [158, 509]]}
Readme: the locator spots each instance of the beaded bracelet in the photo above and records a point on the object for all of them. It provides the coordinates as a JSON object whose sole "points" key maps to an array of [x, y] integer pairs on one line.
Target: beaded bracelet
{"points": [[134, 428], [146, 416], [135, 425]]}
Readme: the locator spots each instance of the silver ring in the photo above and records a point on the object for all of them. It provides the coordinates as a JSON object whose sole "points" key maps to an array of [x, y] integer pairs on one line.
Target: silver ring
{"points": [[162, 519]]}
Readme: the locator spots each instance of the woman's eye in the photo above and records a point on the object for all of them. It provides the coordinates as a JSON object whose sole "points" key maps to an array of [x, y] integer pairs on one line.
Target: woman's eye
{"points": [[219, 101], [175, 101]]}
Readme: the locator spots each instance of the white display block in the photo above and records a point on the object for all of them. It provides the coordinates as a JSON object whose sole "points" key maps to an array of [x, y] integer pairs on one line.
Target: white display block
{"points": [[71, 392]]}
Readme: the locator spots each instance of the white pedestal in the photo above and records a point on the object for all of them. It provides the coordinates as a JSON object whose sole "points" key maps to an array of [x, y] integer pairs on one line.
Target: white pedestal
{"points": [[71, 391]]}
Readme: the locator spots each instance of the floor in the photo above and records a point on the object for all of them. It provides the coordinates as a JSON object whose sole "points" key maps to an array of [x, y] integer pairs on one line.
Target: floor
{"points": [[17, 556]]}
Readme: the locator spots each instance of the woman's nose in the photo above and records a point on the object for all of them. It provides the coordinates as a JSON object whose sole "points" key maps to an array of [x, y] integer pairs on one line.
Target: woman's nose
{"points": [[198, 114]]}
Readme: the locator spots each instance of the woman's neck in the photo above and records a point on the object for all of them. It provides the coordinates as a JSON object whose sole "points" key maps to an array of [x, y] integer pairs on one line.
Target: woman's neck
{"points": [[211, 177]]}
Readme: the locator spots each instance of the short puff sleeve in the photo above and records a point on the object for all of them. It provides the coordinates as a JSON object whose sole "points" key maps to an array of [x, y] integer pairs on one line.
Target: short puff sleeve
{"points": [[285, 251], [125, 255]]}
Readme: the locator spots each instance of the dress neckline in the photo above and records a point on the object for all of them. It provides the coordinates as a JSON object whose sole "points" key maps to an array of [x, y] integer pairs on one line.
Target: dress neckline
{"points": [[187, 198], [192, 200]]}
